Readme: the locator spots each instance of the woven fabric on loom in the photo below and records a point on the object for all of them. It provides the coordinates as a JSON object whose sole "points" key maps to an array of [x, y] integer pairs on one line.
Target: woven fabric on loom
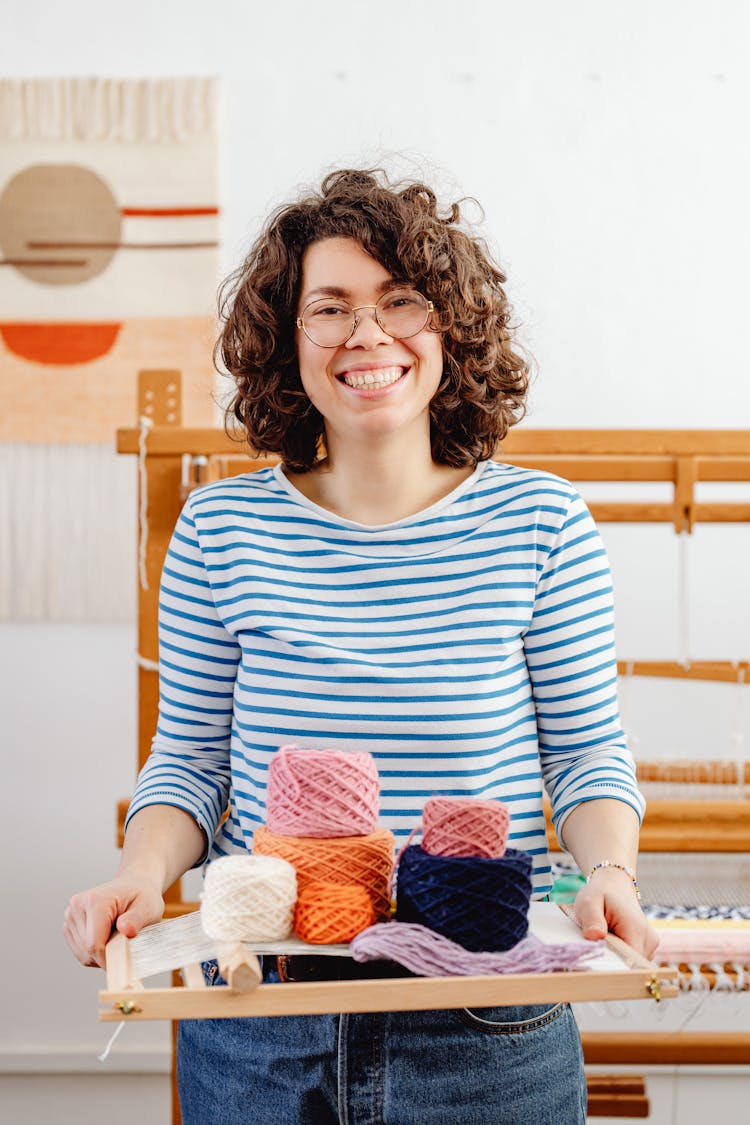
{"points": [[365, 861]]}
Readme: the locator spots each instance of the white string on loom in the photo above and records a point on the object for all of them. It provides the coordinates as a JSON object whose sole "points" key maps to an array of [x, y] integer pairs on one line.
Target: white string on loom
{"points": [[144, 425], [180, 941], [105, 1053], [737, 731], [684, 595], [625, 693], [169, 945], [64, 514]]}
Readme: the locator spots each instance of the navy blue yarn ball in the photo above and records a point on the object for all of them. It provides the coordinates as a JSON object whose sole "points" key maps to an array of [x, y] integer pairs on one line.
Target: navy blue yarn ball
{"points": [[482, 904]]}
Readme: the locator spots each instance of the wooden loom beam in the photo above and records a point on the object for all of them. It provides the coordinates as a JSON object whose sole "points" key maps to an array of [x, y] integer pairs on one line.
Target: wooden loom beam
{"points": [[687, 826], [717, 671], [665, 1048], [680, 457]]}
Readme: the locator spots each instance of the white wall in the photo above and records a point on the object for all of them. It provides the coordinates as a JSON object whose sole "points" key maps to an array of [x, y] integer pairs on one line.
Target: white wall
{"points": [[606, 143]]}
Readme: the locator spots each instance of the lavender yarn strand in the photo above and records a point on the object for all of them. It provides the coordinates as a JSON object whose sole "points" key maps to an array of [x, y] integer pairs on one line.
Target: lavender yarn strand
{"points": [[429, 954]]}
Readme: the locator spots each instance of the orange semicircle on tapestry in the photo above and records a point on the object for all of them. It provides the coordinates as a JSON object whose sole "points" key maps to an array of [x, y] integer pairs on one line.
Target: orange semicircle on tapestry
{"points": [[59, 344]]}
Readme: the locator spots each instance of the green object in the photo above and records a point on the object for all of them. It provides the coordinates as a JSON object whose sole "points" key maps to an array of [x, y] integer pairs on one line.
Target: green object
{"points": [[566, 887]]}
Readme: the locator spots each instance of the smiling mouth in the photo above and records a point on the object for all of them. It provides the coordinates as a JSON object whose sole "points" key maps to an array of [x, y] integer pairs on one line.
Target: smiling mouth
{"points": [[372, 380]]}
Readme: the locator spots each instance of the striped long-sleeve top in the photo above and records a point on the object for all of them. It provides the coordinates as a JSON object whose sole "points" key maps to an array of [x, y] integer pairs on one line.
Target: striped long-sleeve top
{"points": [[469, 648]]}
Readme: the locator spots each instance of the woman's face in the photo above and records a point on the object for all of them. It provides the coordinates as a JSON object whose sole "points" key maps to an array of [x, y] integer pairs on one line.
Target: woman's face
{"points": [[373, 385]]}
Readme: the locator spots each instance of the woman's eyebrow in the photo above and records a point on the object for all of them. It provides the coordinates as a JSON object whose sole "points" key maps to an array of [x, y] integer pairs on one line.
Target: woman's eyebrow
{"points": [[345, 294]]}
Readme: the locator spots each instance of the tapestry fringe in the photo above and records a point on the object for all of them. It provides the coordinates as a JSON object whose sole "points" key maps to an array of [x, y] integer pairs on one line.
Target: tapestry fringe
{"points": [[66, 534], [107, 109]]}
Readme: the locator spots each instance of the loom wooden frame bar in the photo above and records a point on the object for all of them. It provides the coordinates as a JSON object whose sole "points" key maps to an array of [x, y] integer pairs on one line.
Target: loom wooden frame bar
{"points": [[732, 445], [404, 994], [681, 457], [667, 1048]]}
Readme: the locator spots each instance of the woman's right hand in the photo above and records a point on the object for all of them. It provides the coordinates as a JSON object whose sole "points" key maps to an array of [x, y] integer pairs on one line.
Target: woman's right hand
{"points": [[124, 904]]}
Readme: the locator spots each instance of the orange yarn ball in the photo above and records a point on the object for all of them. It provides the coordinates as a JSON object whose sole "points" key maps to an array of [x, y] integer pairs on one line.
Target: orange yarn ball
{"points": [[329, 913], [364, 861]]}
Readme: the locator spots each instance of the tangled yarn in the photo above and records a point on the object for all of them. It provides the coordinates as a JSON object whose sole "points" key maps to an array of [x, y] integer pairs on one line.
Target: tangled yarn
{"points": [[328, 913], [431, 955], [480, 903], [248, 898], [322, 793], [364, 861], [465, 826]]}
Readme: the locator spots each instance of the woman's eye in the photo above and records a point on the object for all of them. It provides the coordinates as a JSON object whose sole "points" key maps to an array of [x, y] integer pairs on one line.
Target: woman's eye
{"points": [[327, 312], [399, 301]]}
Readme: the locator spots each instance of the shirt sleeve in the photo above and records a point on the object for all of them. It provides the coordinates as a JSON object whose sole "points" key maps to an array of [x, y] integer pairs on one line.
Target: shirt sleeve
{"points": [[189, 764], [570, 653]]}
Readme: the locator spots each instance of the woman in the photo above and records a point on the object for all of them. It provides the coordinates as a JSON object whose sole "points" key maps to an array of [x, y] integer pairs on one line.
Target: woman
{"points": [[386, 587]]}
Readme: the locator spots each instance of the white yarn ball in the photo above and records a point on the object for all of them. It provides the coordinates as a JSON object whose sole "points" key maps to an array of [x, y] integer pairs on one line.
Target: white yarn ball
{"points": [[249, 898]]}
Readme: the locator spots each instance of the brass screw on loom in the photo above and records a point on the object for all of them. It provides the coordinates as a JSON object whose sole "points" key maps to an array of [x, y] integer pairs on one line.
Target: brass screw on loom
{"points": [[127, 1007], [654, 988]]}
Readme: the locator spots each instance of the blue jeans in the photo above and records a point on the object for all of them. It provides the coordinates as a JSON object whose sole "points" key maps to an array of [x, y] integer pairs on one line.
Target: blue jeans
{"points": [[485, 1066]]}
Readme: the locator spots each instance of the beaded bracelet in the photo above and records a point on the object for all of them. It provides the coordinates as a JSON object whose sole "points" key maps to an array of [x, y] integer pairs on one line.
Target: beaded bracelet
{"points": [[619, 867]]}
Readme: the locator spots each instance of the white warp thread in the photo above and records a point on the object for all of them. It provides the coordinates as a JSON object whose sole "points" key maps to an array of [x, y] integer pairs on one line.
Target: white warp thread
{"points": [[66, 534], [105, 1053], [145, 424], [684, 589]]}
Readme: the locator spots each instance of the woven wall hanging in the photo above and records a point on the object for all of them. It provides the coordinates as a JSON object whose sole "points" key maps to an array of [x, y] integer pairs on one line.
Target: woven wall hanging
{"points": [[108, 264]]}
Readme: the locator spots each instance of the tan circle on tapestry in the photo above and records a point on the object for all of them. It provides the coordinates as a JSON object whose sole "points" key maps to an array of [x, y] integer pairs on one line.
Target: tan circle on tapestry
{"points": [[60, 224]]}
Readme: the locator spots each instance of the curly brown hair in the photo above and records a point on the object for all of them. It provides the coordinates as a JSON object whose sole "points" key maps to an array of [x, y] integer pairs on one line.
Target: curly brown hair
{"points": [[485, 381]]}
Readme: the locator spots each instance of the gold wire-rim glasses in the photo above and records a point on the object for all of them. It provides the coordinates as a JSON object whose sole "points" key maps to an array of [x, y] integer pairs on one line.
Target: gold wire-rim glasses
{"points": [[429, 308]]}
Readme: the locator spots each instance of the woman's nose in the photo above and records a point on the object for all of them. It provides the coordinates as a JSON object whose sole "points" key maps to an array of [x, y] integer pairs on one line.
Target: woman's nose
{"points": [[367, 331]]}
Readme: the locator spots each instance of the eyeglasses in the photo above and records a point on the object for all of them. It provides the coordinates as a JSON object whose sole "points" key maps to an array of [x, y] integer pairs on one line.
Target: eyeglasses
{"points": [[330, 322]]}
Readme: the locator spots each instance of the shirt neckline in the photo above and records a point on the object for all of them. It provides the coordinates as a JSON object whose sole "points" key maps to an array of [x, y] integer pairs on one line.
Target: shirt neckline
{"points": [[340, 521]]}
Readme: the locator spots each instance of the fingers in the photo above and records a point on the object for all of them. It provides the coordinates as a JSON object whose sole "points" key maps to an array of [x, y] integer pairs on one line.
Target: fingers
{"points": [[589, 911], [651, 942], [617, 911], [92, 915], [86, 928], [132, 921]]}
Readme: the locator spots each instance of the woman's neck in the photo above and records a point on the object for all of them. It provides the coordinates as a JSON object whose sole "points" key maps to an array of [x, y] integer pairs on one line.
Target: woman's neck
{"points": [[378, 485]]}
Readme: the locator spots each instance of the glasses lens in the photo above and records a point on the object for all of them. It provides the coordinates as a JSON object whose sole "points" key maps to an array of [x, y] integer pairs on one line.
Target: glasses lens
{"points": [[328, 322], [402, 312]]}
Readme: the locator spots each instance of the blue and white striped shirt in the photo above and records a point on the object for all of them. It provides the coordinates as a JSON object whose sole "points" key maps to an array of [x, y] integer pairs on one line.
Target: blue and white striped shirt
{"points": [[469, 648]]}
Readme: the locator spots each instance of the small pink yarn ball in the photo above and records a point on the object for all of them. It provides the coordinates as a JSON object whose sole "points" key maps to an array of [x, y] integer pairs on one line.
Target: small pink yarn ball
{"points": [[465, 826]]}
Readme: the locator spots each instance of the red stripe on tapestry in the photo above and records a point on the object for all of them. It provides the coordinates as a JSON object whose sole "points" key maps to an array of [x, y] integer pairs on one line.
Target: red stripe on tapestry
{"points": [[167, 212]]}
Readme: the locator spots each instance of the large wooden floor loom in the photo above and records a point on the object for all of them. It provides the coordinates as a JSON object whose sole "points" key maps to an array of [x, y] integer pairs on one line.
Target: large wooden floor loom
{"points": [[173, 459]]}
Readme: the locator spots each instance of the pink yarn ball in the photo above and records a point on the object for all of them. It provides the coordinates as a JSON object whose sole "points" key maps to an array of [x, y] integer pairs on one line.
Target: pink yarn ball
{"points": [[465, 826], [322, 793]]}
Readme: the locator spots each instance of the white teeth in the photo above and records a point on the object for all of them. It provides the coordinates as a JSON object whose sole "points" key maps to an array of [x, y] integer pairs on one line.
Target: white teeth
{"points": [[382, 377]]}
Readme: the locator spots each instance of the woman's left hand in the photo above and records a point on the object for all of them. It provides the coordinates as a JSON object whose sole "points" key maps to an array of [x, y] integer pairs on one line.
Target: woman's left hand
{"points": [[608, 903]]}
